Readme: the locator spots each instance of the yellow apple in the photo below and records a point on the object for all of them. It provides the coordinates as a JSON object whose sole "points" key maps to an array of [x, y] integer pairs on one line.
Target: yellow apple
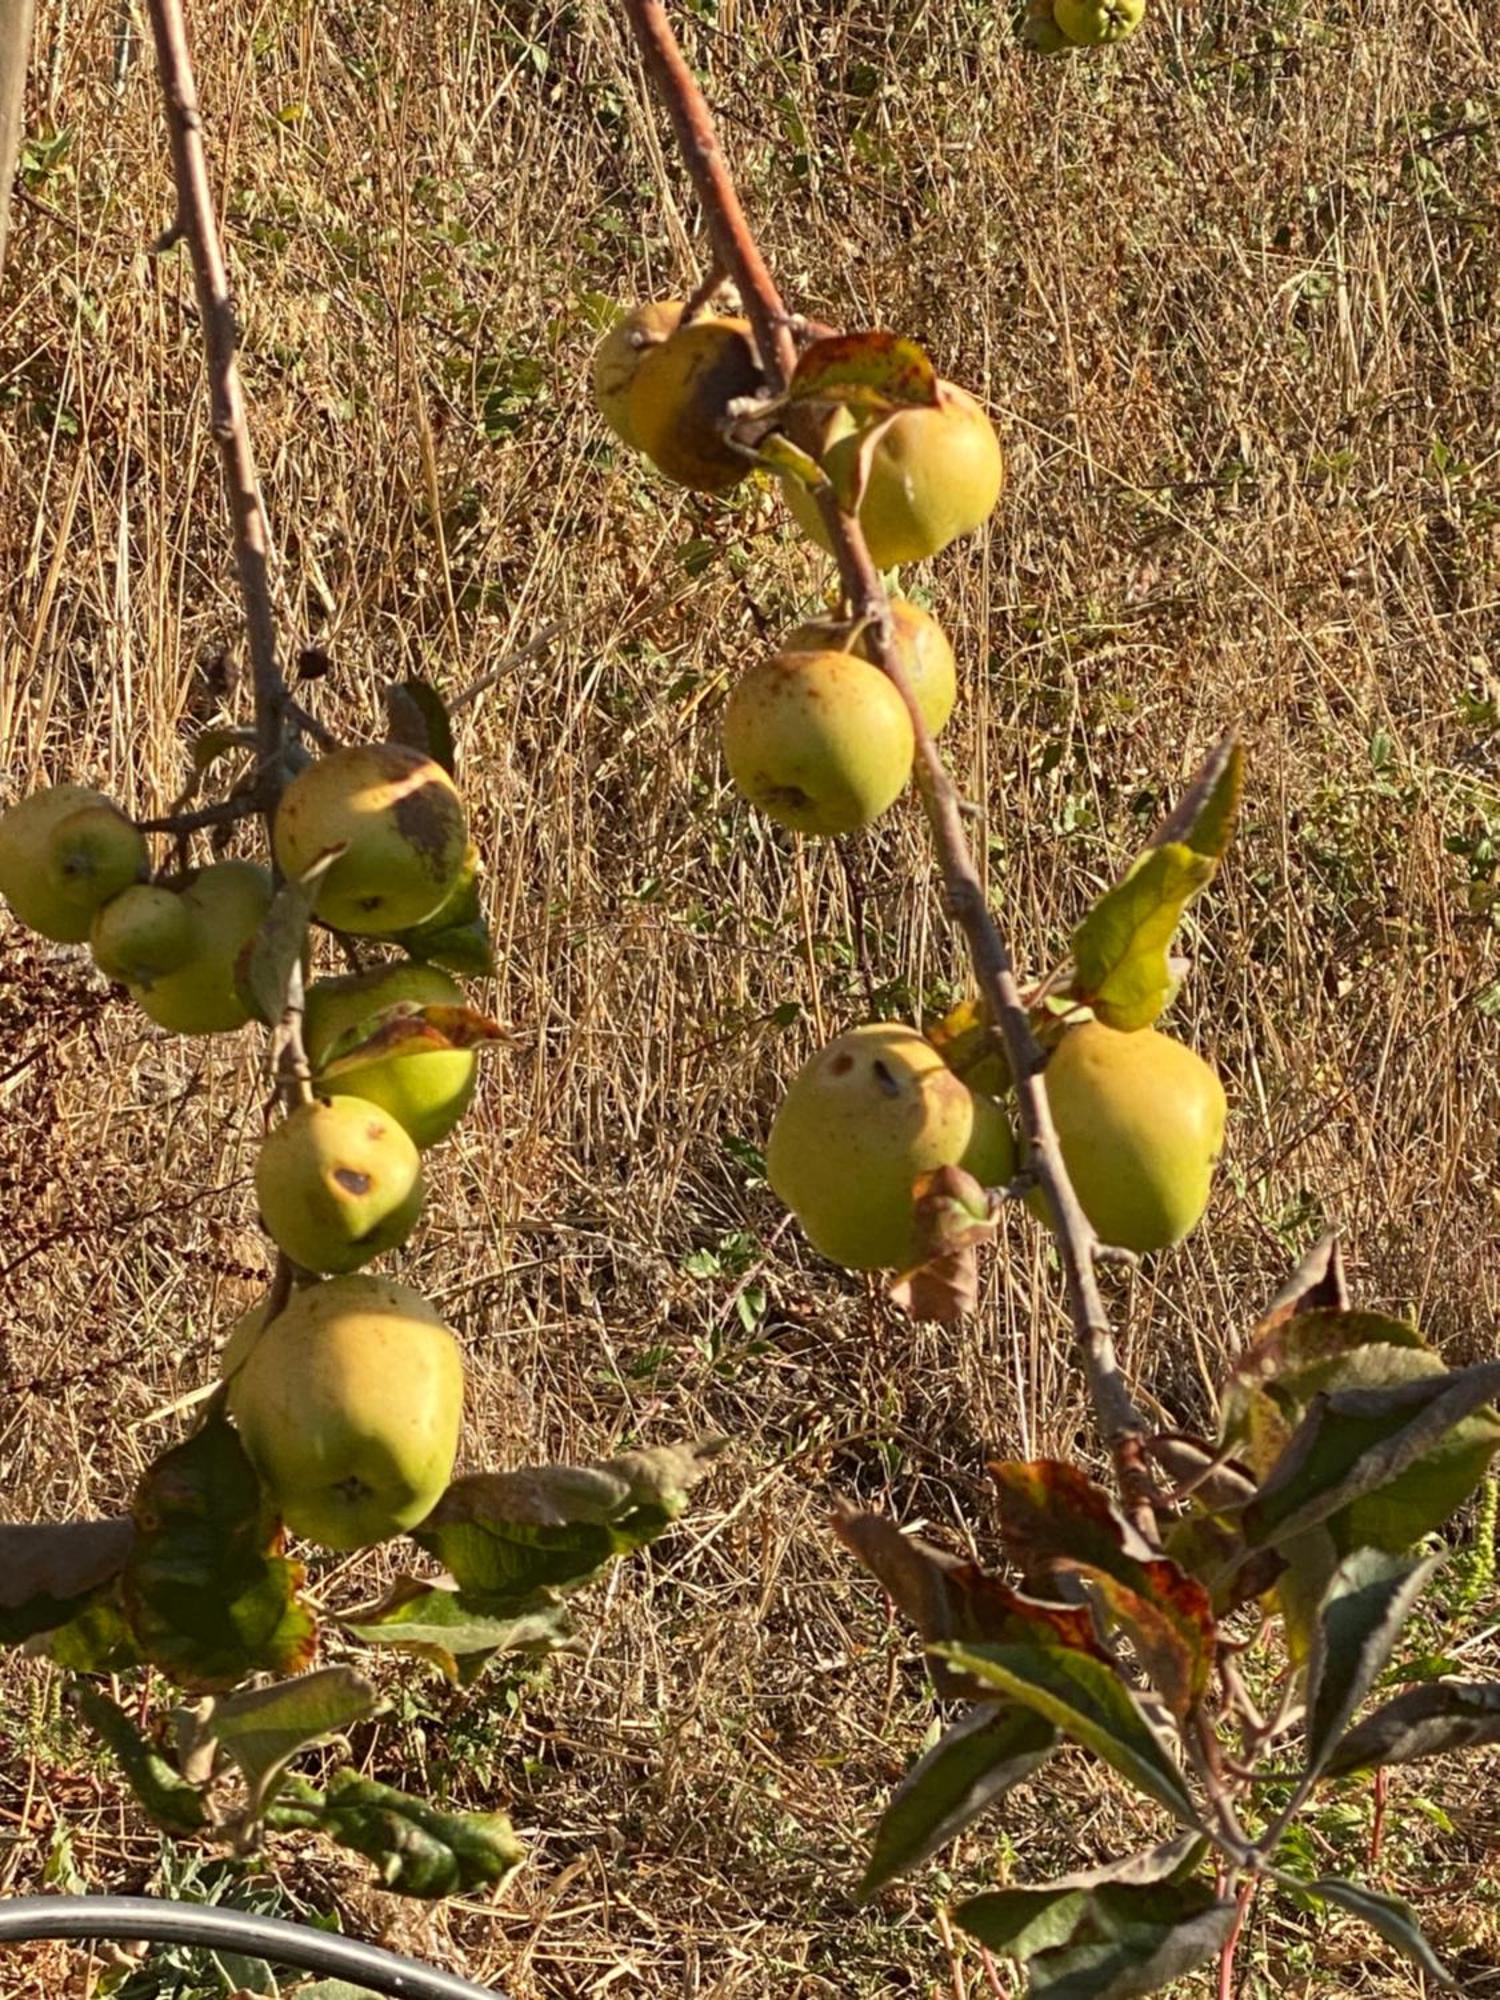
{"points": [[921, 647], [935, 473], [821, 742], [141, 934], [426, 1092], [400, 820], [679, 401], [349, 1405], [869, 1113], [1091, 23], [1140, 1120], [618, 356], [63, 852], [338, 1181], [226, 905]]}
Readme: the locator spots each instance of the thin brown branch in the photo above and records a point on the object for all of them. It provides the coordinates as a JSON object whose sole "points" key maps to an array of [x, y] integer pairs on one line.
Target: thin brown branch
{"points": [[15, 48], [1120, 1423], [221, 812]]}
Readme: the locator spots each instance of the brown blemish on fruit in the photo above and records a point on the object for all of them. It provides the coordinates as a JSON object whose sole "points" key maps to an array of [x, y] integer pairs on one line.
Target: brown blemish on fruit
{"points": [[884, 1078], [841, 1065], [429, 819], [352, 1181]]}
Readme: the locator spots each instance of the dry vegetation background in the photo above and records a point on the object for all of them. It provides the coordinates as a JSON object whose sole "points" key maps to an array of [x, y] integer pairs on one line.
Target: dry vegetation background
{"points": [[1232, 295]]}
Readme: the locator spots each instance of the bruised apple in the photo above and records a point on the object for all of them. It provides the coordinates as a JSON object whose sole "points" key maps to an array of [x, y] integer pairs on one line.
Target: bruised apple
{"points": [[920, 645], [338, 1181], [821, 742], [860, 1121], [349, 1404], [679, 397], [428, 1090]]}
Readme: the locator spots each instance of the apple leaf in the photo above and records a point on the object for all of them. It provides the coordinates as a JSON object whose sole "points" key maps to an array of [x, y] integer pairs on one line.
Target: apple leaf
{"points": [[1022, 1922], [1388, 1916], [867, 371], [1369, 1599], [1434, 1720], [1150, 1938], [777, 452], [209, 745], [165, 1795], [1317, 1284], [418, 1850], [409, 1029], [209, 1597], [972, 1765], [1121, 962], [1085, 1699], [1203, 818], [1209, 1478], [456, 935], [418, 716], [264, 1728], [96, 1640], [1286, 1352], [1050, 1511], [459, 1636], [272, 958], [51, 1570], [952, 1215]]}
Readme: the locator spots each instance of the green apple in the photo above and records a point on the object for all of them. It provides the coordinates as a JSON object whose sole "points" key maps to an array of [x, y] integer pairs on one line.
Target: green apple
{"points": [[860, 1121], [226, 905], [400, 821], [63, 852], [679, 401], [338, 1181], [1140, 1120], [618, 356], [821, 742], [934, 473], [349, 1405], [427, 1091], [142, 934], [1091, 23], [921, 648]]}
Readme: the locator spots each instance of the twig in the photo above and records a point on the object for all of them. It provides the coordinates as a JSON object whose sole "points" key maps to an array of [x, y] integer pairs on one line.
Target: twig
{"points": [[223, 812], [1120, 1423]]}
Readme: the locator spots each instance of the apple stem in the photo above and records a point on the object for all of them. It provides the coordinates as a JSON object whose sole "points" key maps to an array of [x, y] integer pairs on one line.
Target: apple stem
{"points": [[1120, 1423]]}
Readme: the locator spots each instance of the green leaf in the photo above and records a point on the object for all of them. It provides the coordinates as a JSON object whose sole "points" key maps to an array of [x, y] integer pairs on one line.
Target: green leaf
{"points": [[456, 935], [1300, 1354], [418, 1850], [1368, 1601], [419, 718], [208, 1597], [1391, 1918], [869, 371], [264, 1728], [1120, 950], [97, 1640], [1203, 818], [1085, 1699], [165, 1795], [1434, 1720], [1168, 1617], [209, 745], [266, 966], [1022, 1922], [777, 452], [331, 1989], [978, 1760], [51, 1570], [455, 1633], [1152, 1937]]}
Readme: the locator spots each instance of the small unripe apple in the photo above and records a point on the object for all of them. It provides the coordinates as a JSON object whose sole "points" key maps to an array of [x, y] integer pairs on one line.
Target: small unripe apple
{"points": [[349, 1405], [1092, 23], [63, 852], [426, 1092], [859, 1123], [619, 355], [1140, 1120], [821, 742], [142, 934], [226, 905], [338, 1181], [921, 647], [680, 397], [935, 473], [401, 821]]}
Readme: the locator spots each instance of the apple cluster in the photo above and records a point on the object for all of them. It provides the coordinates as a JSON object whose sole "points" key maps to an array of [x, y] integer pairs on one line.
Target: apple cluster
{"points": [[349, 1399], [820, 739]]}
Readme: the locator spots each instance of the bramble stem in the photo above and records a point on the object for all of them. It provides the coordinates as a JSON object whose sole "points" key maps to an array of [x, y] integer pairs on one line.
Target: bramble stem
{"points": [[1120, 1423]]}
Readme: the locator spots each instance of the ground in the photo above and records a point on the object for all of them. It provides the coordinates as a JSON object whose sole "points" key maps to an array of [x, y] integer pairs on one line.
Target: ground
{"points": [[1231, 294]]}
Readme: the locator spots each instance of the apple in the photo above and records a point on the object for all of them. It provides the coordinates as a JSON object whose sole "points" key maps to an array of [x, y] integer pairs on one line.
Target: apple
{"points": [[1039, 30], [141, 934], [920, 644], [241, 1337], [935, 473], [226, 905], [63, 852], [859, 1122], [1140, 1120], [1092, 23], [400, 820], [619, 355], [679, 400], [426, 1092], [349, 1404], [338, 1181], [821, 742]]}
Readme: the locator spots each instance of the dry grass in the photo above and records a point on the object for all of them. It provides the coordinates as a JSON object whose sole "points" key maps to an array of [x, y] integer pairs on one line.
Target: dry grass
{"points": [[1233, 296]]}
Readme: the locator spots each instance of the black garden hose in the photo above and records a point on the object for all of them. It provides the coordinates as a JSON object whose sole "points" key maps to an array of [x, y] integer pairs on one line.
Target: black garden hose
{"points": [[156, 1921]]}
